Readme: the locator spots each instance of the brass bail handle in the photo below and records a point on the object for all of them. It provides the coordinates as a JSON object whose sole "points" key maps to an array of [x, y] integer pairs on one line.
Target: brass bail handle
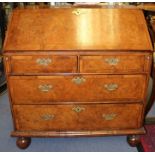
{"points": [[111, 86], [47, 117], [45, 87], [109, 117]]}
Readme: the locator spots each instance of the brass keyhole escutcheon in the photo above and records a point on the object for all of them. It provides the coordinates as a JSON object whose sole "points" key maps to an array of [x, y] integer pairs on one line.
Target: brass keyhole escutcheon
{"points": [[78, 109], [112, 61], [78, 80], [78, 12], [44, 61]]}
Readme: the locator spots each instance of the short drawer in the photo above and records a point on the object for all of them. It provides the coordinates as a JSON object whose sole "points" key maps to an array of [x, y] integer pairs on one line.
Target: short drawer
{"points": [[115, 64], [43, 64], [77, 117], [94, 88]]}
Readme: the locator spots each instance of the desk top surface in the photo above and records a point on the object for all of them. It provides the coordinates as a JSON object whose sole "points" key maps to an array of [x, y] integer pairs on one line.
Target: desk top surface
{"points": [[77, 29]]}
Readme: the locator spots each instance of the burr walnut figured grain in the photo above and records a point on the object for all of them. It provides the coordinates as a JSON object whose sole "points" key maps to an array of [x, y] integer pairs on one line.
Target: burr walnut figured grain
{"points": [[93, 29], [94, 88], [65, 117], [120, 63], [43, 64]]}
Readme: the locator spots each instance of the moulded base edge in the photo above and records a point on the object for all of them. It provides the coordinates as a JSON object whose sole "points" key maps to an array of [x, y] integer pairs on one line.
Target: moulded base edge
{"points": [[77, 133]]}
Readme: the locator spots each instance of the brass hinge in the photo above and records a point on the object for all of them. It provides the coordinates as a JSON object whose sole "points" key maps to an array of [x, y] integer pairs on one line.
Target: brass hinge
{"points": [[152, 19], [1, 56], [154, 57], [153, 52]]}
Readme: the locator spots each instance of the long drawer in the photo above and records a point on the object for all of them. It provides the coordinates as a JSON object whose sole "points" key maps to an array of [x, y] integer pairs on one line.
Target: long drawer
{"points": [[115, 64], [94, 88], [43, 64], [77, 117]]}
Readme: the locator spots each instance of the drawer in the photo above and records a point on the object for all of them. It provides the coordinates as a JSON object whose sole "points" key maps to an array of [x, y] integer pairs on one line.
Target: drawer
{"points": [[94, 88], [114, 64], [43, 64], [77, 117]]}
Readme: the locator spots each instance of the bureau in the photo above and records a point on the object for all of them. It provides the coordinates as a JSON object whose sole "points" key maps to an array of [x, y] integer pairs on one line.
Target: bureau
{"points": [[77, 72]]}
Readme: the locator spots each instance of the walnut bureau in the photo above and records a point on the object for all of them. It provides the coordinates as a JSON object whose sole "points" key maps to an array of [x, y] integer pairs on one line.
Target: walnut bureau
{"points": [[77, 72]]}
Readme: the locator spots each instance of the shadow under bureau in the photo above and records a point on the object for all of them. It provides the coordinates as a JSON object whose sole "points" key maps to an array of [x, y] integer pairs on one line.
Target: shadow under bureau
{"points": [[77, 72]]}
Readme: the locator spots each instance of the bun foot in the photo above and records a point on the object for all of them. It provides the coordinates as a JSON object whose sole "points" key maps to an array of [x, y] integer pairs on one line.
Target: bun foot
{"points": [[133, 140], [23, 142]]}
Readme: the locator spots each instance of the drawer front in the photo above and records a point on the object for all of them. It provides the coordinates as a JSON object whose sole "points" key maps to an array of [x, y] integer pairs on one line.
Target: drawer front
{"points": [[43, 64], [114, 64], [95, 88], [77, 117]]}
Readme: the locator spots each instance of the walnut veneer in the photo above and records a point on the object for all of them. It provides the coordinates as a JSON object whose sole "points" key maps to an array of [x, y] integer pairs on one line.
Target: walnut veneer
{"points": [[77, 72]]}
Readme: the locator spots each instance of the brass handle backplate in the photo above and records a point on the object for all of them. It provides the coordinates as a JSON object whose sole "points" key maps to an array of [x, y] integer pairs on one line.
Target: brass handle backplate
{"points": [[111, 86], [45, 87], [112, 61], [78, 80], [43, 61], [78, 109], [47, 117], [109, 117]]}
